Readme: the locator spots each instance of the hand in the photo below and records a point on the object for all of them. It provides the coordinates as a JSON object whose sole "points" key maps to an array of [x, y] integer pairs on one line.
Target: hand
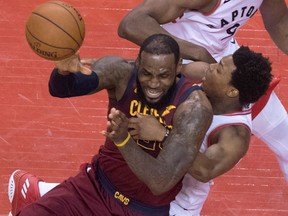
{"points": [[72, 65], [89, 62], [117, 126], [146, 128]]}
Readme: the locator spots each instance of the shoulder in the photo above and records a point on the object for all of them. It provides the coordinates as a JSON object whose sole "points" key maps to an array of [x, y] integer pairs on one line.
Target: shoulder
{"points": [[113, 73], [113, 61], [233, 133], [196, 103], [115, 65], [199, 98]]}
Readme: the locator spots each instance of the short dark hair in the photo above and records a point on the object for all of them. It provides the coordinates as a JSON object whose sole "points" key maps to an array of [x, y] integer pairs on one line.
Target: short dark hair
{"points": [[160, 44], [252, 75]]}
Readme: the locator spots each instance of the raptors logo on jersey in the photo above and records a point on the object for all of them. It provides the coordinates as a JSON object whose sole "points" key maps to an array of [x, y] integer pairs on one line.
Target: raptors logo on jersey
{"points": [[216, 29]]}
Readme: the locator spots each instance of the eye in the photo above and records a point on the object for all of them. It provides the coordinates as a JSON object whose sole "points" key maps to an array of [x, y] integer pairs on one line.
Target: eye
{"points": [[164, 76], [145, 73]]}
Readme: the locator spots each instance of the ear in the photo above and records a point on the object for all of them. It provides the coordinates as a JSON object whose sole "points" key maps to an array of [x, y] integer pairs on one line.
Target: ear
{"points": [[179, 67], [233, 92]]}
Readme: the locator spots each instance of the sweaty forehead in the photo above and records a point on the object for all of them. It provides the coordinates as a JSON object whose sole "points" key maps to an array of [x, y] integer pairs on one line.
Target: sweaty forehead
{"points": [[153, 56], [151, 62]]}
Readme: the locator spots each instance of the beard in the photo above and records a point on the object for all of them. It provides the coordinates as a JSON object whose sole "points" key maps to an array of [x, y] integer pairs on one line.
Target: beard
{"points": [[162, 103]]}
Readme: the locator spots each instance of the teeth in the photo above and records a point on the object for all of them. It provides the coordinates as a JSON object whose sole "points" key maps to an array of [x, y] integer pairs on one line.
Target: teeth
{"points": [[153, 93]]}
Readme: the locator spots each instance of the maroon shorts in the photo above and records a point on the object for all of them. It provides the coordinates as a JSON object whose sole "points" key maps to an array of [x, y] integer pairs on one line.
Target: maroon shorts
{"points": [[88, 194]]}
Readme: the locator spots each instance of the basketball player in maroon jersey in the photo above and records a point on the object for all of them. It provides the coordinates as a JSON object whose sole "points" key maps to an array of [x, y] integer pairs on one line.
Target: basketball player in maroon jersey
{"points": [[155, 184], [151, 86]]}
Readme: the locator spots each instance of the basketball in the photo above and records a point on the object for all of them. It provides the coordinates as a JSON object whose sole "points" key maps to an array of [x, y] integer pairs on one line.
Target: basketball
{"points": [[55, 30]]}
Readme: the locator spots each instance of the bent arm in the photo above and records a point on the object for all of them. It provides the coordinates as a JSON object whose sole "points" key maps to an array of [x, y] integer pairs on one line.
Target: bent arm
{"points": [[195, 71], [190, 123], [230, 146], [275, 17], [146, 19]]}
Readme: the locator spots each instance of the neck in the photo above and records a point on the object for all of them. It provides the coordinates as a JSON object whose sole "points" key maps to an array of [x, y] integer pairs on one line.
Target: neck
{"points": [[225, 106]]}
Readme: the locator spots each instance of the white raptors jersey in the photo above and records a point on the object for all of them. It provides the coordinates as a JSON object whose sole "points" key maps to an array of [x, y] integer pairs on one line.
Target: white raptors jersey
{"points": [[220, 121], [190, 199], [215, 31]]}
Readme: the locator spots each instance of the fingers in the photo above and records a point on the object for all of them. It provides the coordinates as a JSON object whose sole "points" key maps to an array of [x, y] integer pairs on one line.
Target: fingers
{"points": [[139, 115], [88, 62], [133, 120], [73, 64], [133, 126], [70, 64], [85, 70], [117, 126], [112, 127], [117, 119]]}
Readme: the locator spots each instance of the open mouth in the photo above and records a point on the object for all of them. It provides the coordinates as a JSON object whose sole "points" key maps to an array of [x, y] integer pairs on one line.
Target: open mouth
{"points": [[153, 93]]}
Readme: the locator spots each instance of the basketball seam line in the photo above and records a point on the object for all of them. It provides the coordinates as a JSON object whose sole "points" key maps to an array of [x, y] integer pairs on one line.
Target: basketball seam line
{"points": [[58, 27], [82, 36]]}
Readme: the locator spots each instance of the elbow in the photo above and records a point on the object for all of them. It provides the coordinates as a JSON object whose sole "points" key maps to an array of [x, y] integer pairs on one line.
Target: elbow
{"points": [[123, 30], [129, 29], [51, 91], [206, 176], [157, 190], [159, 187], [203, 177], [165, 186], [54, 93]]}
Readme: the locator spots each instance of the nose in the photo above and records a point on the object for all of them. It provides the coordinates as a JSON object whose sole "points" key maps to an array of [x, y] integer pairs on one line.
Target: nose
{"points": [[154, 82]]}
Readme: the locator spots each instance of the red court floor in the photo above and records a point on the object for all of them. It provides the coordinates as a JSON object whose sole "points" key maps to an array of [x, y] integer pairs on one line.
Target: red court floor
{"points": [[51, 137]]}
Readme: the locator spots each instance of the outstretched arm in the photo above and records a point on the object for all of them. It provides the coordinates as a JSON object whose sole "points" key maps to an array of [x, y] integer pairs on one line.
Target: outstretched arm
{"points": [[146, 19], [71, 76], [275, 17], [230, 144], [190, 123]]}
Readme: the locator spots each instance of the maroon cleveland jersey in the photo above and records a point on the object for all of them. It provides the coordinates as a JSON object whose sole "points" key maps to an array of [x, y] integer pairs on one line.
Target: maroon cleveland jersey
{"points": [[110, 159]]}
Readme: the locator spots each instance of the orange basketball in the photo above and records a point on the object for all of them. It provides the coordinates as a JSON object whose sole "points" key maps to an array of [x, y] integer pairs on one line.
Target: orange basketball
{"points": [[55, 30]]}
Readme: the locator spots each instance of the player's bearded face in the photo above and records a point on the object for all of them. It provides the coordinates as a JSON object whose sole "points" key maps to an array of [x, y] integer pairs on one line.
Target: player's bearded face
{"points": [[156, 79], [163, 102]]}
